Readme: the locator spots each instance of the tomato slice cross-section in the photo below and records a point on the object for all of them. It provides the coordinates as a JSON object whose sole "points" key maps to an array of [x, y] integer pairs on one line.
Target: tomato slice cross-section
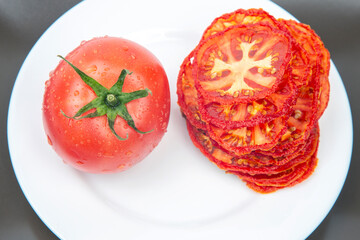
{"points": [[187, 94], [309, 167], [319, 58], [253, 164], [246, 139], [252, 113], [241, 64], [300, 123]]}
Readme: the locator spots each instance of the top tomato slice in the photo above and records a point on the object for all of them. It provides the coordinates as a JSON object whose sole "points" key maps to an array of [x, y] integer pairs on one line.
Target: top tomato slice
{"points": [[242, 63]]}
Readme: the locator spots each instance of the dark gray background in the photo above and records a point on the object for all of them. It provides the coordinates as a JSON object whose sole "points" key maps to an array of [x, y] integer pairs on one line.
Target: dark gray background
{"points": [[23, 21]]}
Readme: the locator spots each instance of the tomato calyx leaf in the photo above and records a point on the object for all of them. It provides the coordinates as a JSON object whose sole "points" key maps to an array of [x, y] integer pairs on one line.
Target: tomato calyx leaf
{"points": [[110, 102]]}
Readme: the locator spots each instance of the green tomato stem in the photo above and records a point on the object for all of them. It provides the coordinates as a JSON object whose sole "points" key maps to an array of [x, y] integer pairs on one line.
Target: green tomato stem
{"points": [[110, 102]]}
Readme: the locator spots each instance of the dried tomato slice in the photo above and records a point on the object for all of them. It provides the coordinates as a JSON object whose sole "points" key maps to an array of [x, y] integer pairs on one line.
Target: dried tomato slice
{"points": [[187, 94], [284, 179], [262, 110], [300, 66], [200, 139], [319, 55], [281, 179], [238, 115], [241, 64], [250, 163], [262, 189], [261, 164], [269, 189], [302, 120], [312, 165], [239, 17], [246, 139], [324, 94], [283, 150]]}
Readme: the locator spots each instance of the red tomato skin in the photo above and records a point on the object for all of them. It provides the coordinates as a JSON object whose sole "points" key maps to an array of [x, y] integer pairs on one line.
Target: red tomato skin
{"points": [[88, 144]]}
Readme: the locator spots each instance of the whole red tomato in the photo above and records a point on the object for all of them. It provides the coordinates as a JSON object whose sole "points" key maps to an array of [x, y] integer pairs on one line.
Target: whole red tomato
{"points": [[108, 107]]}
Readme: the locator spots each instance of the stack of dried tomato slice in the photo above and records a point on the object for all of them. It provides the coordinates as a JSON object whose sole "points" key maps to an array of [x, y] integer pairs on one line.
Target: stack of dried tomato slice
{"points": [[252, 92]]}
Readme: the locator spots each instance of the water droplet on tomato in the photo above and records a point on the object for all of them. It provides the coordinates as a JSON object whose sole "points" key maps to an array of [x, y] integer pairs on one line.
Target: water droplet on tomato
{"points": [[92, 68], [121, 166], [129, 153], [163, 126], [82, 42], [125, 48], [99, 154], [138, 116], [133, 56], [80, 162], [47, 83], [95, 51], [70, 122], [49, 140]]}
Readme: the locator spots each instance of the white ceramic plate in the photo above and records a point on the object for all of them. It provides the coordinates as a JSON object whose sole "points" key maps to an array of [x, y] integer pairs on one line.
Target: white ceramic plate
{"points": [[175, 193]]}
